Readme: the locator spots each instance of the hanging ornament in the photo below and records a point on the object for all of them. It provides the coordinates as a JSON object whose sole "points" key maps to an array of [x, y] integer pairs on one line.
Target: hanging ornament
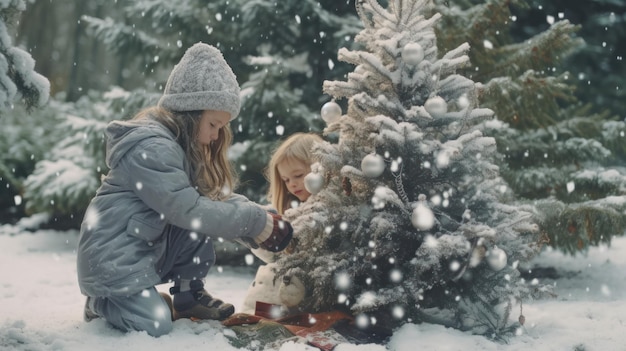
{"points": [[331, 112], [496, 258], [313, 182], [373, 165], [422, 217], [412, 54], [436, 106]]}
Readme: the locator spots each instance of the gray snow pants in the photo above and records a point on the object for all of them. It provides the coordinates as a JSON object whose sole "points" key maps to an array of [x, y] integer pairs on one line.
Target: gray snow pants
{"points": [[184, 258]]}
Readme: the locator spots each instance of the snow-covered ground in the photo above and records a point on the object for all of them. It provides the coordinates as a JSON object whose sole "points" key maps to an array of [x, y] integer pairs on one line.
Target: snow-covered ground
{"points": [[41, 306]]}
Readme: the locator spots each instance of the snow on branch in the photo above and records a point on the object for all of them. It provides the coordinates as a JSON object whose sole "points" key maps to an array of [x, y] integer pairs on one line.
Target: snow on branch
{"points": [[361, 57]]}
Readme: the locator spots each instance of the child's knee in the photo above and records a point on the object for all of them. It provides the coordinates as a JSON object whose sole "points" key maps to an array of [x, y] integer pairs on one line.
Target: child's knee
{"points": [[160, 327], [157, 322], [145, 311]]}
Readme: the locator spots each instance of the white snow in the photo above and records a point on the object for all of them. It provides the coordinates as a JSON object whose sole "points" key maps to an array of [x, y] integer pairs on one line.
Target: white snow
{"points": [[41, 306]]}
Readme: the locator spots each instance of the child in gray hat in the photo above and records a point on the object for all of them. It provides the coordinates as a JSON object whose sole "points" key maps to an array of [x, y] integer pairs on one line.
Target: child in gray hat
{"points": [[167, 195]]}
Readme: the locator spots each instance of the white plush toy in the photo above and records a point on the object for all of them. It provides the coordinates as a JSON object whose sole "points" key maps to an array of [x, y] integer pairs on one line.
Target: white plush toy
{"points": [[291, 290], [262, 289]]}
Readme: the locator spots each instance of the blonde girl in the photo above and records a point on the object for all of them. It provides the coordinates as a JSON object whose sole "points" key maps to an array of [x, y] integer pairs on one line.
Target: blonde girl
{"points": [[288, 166]]}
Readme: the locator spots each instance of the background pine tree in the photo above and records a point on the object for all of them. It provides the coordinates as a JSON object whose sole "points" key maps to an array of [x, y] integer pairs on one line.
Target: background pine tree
{"points": [[22, 90], [597, 67], [559, 154], [414, 222], [18, 80]]}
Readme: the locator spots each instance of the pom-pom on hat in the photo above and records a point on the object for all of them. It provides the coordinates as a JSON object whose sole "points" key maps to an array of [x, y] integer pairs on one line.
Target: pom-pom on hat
{"points": [[202, 80]]}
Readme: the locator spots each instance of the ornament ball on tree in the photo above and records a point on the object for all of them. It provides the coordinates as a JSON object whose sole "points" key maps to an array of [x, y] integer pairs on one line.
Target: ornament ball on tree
{"points": [[436, 106], [412, 54], [313, 182], [422, 217], [331, 112], [496, 258], [373, 165]]}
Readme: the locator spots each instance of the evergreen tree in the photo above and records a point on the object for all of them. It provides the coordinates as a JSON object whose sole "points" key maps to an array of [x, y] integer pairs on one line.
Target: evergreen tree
{"points": [[409, 219], [24, 139], [18, 79], [20, 133], [67, 174], [558, 154], [598, 67]]}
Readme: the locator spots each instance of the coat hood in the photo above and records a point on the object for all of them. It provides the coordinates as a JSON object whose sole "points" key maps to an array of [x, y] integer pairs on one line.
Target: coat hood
{"points": [[122, 136]]}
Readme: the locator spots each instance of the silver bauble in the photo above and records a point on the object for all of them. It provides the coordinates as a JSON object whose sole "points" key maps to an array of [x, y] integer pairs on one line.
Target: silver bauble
{"points": [[496, 258], [373, 165], [331, 112], [313, 182], [422, 217], [412, 54], [436, 106]]}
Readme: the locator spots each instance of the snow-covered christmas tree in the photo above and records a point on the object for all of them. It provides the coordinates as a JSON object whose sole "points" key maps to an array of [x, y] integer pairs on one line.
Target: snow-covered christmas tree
{"points": [[409, 220]]}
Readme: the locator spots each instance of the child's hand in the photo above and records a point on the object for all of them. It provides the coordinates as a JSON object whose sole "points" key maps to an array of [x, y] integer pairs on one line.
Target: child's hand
{"points": [[269, 208], [291, 248], [282, 233]]}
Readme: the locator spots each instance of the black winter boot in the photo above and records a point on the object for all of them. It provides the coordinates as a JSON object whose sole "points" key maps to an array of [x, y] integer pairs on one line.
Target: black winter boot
{"points": [[197, 303]]}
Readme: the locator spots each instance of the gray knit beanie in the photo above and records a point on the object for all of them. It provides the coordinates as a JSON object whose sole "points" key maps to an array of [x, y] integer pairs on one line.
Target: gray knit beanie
{"points": [[202, 80]]}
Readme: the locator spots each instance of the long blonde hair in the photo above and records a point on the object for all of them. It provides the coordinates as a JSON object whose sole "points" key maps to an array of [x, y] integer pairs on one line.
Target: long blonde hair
{"points": [[295, 148], [212, 173]]}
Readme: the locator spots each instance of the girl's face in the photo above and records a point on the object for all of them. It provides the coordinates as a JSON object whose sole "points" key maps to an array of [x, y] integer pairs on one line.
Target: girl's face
{"points": [[210, 124], [292, 172]]}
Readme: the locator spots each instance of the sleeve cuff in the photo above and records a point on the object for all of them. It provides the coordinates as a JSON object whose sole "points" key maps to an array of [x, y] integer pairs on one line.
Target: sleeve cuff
{"points": [[267, 231]]}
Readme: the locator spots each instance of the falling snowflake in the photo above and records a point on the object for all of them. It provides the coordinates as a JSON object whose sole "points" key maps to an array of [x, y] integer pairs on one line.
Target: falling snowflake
{"points": [[91, 218], [397, 312], [249, 259], [196, 223], [395, 276], [342, 281]]}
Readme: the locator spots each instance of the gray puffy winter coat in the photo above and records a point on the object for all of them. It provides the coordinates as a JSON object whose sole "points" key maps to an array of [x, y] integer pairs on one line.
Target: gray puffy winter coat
{"points": [[147, 188]]}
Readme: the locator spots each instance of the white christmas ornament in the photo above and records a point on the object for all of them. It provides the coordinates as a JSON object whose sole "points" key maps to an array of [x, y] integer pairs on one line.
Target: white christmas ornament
{"points": [[412, 54], [373, 165], [436, 106], [331, 112], [496, 258], [422, 217], [313, 182]]}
